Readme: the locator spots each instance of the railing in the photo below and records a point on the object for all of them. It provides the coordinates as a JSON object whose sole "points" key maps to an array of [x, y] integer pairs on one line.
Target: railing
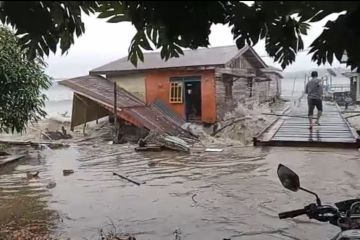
{"points": [[337, 88]]}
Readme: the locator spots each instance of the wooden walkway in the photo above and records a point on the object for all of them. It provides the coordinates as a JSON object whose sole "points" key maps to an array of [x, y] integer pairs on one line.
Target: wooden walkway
{"points": [[334, 130]]}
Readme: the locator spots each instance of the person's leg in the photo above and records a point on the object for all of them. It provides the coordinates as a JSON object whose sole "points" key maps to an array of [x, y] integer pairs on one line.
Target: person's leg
{"points": [[319, 109], [311, 107]]}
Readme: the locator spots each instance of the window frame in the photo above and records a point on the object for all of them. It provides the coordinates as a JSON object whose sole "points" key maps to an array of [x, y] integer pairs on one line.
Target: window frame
{"points": [[176, 93]]}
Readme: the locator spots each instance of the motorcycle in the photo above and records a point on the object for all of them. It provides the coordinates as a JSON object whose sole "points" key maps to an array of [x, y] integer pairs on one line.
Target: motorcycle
{"points": [[346, 215]]}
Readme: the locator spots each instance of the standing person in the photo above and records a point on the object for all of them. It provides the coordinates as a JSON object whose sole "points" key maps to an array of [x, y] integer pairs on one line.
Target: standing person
{"points": [[314, 90]]}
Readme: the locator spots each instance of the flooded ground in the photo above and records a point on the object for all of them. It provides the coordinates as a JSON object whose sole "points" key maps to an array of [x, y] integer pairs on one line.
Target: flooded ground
{"points": [[233, 194]]}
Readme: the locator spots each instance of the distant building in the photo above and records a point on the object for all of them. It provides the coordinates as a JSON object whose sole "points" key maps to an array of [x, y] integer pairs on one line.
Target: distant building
{"points": [[354, 85], [354, 77]]}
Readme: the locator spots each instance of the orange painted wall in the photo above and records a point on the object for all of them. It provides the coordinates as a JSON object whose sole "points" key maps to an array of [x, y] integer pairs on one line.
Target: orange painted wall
{"points": [[158, 86]]}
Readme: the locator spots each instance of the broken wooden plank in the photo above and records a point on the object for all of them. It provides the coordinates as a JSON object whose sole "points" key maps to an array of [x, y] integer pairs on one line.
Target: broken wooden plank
{"points": [[214, 150], [229, 124], [351, 116], [127, 179], [36, 144], [9, 159], [149, 149]]}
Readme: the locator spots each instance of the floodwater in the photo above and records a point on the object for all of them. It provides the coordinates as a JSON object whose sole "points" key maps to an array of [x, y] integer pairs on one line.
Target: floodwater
{"points": [[232, 194]]}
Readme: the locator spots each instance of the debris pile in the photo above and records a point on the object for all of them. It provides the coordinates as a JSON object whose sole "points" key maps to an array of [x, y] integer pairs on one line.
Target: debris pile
{"points": [[155, 142], [238, 126]]}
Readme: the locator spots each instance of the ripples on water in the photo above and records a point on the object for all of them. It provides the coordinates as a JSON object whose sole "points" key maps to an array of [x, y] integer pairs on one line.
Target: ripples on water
{"points": [[234, 193]]}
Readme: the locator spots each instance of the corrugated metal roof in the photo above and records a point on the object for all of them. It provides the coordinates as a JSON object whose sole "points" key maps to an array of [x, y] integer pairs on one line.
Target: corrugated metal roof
{"points": [[130, 108], [201, 57]]}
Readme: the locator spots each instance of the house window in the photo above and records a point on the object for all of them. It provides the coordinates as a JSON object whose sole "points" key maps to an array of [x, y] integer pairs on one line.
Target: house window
{"points": [[176, 92], [228, 89]]}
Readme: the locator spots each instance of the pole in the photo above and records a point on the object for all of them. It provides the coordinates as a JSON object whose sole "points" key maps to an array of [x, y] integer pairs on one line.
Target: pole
{"points": [[293, 89], [115, 141]]}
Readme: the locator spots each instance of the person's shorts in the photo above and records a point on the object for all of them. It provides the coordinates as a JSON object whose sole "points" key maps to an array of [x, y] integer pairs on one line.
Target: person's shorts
{"points": [[314, 103]]}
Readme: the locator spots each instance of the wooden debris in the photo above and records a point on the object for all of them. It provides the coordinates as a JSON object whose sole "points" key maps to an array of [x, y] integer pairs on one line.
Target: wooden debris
{"points": [[193, 198], [35, 144], [116, 236], [163, 141], [31, 175], [214, 150], [178, 234], [56, 135], [9, 159], [41, 133], [4, 154], [174, 143], [149, 149], [229, 124], [67, 172], [152, 164], [142, 142], [51, 185], [351, 116], [127, 179]]}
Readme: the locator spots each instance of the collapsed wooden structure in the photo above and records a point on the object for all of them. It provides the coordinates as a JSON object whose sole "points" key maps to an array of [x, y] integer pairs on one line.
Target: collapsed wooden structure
{"points": [[94, 99]]}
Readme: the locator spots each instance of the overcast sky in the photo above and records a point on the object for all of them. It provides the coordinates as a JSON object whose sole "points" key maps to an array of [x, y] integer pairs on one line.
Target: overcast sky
{"points": [[104, 42]]}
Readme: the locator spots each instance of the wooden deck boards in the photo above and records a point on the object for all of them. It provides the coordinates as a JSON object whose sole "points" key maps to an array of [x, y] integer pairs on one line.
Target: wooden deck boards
{"points": [[334, 130]]}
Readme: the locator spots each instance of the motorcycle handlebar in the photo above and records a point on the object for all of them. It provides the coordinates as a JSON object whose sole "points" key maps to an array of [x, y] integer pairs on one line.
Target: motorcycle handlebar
{"points": [[321, 213], [292, 214]]}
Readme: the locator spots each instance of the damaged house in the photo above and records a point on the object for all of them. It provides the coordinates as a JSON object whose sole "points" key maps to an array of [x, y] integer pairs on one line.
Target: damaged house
{"points": [[200, 86]]}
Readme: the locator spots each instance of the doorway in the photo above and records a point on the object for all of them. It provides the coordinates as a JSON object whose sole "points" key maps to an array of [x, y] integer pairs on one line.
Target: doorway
{"points": [[193, 100]]}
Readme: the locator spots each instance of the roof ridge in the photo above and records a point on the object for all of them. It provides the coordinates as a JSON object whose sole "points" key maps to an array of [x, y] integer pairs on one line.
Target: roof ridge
{"points": [[197, 49], [230, 51]]}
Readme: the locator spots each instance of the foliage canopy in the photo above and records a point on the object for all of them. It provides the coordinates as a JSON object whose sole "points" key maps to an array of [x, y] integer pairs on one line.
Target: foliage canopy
{"points": [[186, 24], [21, 83]]}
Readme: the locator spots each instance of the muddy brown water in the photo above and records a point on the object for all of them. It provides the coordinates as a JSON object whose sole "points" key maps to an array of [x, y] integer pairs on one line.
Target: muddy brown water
{"points": [[233, 194]]}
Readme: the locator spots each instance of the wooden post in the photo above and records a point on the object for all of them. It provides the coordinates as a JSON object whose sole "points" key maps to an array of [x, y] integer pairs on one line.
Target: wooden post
{"points": [[74, 105], [116, 133], [85, 119]]}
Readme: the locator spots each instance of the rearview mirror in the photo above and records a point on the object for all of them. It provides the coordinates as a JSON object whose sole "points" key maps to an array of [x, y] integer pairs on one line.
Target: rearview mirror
{"points": [[288, 178]]}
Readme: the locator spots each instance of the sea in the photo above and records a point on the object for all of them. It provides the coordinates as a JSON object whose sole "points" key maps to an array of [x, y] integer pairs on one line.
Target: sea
{"points": [[59, 103]]}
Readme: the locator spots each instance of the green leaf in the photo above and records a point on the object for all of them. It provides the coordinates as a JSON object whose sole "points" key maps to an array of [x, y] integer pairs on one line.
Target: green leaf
{"points": [[106, 14], [139, 54], [44, 47], [117, 19]]}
